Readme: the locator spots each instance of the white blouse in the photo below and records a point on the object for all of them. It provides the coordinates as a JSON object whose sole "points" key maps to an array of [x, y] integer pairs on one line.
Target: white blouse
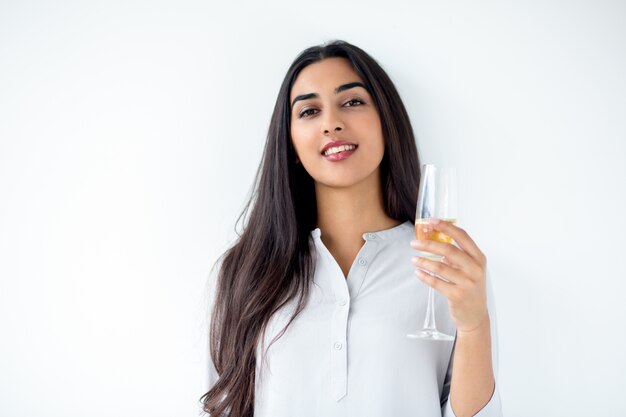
{"points": [[347, 353]]}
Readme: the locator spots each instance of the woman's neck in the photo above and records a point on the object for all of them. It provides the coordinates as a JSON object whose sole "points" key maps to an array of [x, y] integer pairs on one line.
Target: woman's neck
{"points": [[344, 214]]}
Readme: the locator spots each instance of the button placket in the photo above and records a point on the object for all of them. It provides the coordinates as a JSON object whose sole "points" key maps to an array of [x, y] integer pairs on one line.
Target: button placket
{"points": [[362, 264], [343, 291], [339, 351], [339, 328]]}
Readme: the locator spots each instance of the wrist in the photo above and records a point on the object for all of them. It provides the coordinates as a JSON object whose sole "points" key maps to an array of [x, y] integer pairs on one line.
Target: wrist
{"points": [[478, 330]]}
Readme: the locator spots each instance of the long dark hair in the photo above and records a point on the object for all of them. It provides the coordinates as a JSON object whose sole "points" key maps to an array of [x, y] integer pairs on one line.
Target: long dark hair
{"points": [[271, 263]]}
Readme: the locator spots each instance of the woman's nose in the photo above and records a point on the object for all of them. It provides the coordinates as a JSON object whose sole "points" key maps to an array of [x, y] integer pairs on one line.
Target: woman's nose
{"points": [[331, 123], [337, 129]]}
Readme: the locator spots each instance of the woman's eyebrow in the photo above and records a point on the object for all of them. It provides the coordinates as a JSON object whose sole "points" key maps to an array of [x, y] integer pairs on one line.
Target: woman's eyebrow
{"points": [[304, 97], [348, 86], [338, 90]]}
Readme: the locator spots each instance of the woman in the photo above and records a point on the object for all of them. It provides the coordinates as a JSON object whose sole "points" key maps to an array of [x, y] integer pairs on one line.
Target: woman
{"points": [[313, 303]]}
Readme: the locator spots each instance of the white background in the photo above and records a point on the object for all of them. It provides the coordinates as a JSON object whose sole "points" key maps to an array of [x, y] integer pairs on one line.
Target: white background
{"points": [[130, 133]]}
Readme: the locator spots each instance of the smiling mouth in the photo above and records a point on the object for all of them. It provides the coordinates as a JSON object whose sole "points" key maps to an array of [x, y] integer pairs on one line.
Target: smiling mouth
{"points": [[337, 149]]}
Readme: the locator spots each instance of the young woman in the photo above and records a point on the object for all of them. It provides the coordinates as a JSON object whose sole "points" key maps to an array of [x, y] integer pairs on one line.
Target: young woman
{"points": [[312, 305]]}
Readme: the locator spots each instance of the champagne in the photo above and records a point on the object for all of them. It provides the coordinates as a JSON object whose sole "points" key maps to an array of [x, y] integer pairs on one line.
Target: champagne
{"points": [[425, 233]]}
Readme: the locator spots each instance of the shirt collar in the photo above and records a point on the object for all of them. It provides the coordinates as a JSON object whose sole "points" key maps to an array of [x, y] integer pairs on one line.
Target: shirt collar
{"points": [[387, 234]]}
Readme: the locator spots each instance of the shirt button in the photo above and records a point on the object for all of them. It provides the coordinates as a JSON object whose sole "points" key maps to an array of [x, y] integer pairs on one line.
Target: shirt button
{"points": [[338, 346], [362, 261], [343, 302]]}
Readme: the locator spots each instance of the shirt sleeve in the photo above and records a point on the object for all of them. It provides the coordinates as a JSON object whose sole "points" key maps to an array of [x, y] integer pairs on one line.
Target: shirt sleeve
{"points": [[494, 407]]}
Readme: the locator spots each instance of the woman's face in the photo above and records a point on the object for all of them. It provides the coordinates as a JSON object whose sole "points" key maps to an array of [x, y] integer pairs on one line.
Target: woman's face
{"points": [[335, 126]]}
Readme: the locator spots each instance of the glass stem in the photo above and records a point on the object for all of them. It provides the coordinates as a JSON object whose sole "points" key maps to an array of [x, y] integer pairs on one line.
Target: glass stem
{"points": [[429, 321]]}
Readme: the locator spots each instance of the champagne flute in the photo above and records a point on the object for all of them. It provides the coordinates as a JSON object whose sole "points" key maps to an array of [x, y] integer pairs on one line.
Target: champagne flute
{"points": [[437, 198]]}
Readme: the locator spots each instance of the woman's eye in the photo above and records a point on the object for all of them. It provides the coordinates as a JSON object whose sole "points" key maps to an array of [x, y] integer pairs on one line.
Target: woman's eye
{"points": [[353, 102], [307, 112]]}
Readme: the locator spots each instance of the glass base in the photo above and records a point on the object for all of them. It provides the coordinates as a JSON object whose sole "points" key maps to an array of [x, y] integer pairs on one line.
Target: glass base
{"points": [[429, 334]]}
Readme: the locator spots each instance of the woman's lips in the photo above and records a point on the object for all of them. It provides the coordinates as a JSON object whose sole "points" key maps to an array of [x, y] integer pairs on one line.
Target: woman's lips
{"points": [[338, 150], [340, 156]]}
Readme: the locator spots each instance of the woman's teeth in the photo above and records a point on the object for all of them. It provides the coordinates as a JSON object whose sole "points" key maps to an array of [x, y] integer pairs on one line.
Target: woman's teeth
{"points": [[338, 149]]}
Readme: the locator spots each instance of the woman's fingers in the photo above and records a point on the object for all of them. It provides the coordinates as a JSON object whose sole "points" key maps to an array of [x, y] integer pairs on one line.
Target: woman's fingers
{"points": [[465, 261], [442, 270], [460, 236], [453, 256], [445, 288]]}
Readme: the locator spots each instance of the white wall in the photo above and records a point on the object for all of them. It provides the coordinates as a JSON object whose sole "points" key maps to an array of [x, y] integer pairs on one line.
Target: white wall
{"points": [[130, 132]]}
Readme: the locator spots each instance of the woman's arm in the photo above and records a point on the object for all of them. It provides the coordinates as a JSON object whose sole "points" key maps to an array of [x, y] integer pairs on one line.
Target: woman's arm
{"points": [[464, 266], [473, 382]]}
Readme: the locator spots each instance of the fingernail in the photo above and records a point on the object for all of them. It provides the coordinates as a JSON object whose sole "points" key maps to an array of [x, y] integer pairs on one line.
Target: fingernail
{"points": [[433, 220], [416, 243]]}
